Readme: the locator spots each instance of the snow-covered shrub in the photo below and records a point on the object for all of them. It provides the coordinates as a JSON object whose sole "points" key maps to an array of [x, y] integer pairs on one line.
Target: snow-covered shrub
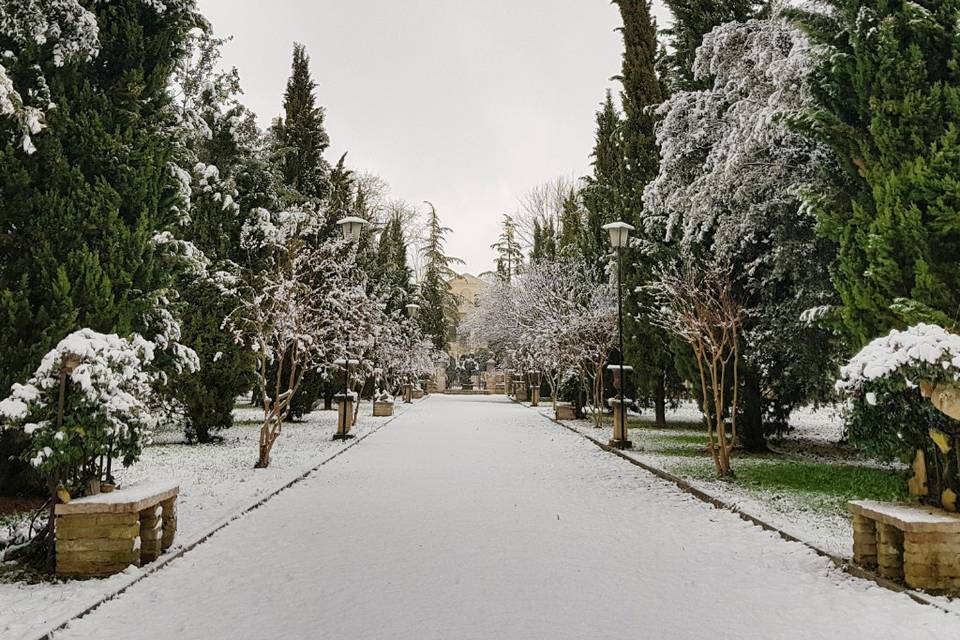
{"points": [[108, 411], [383, 396], [887, 413]]}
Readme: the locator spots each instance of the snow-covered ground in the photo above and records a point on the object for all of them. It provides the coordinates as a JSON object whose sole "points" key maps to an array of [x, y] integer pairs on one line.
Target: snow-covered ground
{"points": [[826, 528], [216, 482], [475, 517]]}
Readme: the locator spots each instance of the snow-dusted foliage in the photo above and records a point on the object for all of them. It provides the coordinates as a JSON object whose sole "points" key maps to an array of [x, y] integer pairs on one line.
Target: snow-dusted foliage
{"points": [[109, 406], [728, 153], [36, 35], [399, 353], [732, 176], [901, 390], [307, 309], [554, 317], [921, 353]]}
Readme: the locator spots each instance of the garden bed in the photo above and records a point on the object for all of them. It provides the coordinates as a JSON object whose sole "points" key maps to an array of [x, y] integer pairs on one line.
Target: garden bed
{"points": [[216, 482]]}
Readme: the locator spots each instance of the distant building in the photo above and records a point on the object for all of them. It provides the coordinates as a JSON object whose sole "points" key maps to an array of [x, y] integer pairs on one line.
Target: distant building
{"points": [[468, 288]]}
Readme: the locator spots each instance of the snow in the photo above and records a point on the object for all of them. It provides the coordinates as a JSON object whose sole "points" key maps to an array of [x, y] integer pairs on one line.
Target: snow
{"points": [[903, 352], [808, 519], [216, 482], [130, 494], [478, 518]]}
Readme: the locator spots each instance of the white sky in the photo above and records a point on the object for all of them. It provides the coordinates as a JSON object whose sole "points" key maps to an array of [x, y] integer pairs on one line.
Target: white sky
{"points": [[466, 104]]}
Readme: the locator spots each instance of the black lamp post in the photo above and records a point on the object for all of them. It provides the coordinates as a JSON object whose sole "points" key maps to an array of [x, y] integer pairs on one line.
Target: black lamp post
{"points": [[619, 239], [352, 229]]}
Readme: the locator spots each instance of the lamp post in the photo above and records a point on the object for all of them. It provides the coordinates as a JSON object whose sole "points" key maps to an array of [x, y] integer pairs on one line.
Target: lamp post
{"points": [[351, 228], [413, 310], [620, 238]]}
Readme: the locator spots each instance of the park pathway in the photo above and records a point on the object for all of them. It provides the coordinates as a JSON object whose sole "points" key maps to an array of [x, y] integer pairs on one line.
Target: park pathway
{"points": [[478, 518]]}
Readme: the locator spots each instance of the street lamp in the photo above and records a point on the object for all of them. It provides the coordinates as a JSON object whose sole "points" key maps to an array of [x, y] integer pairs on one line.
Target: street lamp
{"points": [[619, 239], [413, 310], [351, 228]]}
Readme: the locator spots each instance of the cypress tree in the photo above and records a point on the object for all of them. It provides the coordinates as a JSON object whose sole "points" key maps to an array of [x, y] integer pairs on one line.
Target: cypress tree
{"points": [[888, 104], [394, 273], [301, 138], [601, 195], [647, 346]]}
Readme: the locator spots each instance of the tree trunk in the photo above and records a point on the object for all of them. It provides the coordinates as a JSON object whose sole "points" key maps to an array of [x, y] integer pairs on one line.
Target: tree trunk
{"points": [[660, 402], [750, 422]]}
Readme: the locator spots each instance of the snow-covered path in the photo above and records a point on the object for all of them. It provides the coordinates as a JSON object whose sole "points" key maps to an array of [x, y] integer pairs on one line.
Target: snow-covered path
{"points": [[478, 518]]}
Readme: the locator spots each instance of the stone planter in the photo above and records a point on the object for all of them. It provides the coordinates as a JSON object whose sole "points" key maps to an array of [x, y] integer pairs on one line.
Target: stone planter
{"points": [[418, 394], [520, 391], [382, 409], [566, 412]]}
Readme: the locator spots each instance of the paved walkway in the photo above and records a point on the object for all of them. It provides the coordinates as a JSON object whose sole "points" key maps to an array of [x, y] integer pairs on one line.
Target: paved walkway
{"points": [[478, 518]]}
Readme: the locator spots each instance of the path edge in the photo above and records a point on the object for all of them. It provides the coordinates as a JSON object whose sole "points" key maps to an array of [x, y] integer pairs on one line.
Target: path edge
{"points": [[162, 562], [840, 562]]}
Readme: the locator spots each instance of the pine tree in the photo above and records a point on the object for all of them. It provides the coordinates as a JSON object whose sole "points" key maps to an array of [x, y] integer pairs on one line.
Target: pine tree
{"points": [[692, 19], [300, 136], [571, 223], [394, 273], [438, 317], [509, 255], [81, 212], [647, 346], [601, 195], [888, 99]]}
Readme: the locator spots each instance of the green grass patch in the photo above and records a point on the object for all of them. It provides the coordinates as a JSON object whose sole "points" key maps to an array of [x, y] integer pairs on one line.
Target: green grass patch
{"points": [[838, 482]]}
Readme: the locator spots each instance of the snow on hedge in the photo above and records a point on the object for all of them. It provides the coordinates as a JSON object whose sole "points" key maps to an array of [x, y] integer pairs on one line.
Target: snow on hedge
{"points": [[110, 391], [923, 351]]}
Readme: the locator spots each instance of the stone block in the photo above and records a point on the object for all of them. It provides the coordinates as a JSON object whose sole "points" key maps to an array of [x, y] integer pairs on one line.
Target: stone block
{"points": [[115, 532], [70, 547]]}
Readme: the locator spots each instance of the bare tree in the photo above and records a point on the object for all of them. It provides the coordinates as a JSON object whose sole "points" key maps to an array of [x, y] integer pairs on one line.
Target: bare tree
{"points": [[543, 205], [697, 303]]}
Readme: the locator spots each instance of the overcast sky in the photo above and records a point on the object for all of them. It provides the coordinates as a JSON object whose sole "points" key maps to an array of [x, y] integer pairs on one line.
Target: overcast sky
{"points": [[466, 104]]}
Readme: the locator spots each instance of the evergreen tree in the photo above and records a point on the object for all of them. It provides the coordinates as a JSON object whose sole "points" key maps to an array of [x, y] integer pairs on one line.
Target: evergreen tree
{"points": [[509, 255], [439, 316], [220, 141], [601, 195], [571, 223], [81, 211], [394, 274], [888, 96], [692, 19], [300, 136], [647, 346]]}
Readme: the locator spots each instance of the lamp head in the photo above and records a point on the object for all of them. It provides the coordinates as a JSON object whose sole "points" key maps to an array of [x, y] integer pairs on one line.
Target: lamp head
{"points": [[619, 234], [351, 228]]}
